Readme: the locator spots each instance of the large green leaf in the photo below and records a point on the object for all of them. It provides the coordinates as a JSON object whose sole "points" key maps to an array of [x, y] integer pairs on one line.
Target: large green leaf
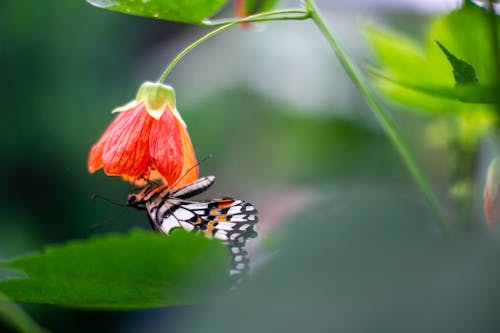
{"points": [[188, 11], [140, 270]]}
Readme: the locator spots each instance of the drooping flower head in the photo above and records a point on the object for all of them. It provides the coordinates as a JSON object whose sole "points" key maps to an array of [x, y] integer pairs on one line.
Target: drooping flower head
{"points": [[147, 141]]}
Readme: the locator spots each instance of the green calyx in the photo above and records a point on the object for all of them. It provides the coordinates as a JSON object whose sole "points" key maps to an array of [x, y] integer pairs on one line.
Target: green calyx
{"points": [[157, 97]]}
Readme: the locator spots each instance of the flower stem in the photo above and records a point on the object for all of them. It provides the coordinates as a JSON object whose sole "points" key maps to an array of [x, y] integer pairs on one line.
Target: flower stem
{"points": [[387, 123], [277, 15]]}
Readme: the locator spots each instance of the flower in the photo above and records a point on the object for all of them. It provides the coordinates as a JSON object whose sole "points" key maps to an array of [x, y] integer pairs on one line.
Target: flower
{"points": [[147, 141], [241, 12], [492, 194]]}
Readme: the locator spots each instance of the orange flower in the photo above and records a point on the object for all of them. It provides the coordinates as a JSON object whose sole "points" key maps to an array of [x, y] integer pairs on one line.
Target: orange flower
{"points": [[492, 194], [147, 141]]}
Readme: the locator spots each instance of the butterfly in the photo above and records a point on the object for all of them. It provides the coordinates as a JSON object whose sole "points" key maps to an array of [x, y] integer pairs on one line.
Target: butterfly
{"points": [[229, 220]]}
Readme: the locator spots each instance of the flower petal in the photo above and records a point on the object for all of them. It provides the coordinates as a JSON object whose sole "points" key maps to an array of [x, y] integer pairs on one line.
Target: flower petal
{"points": [[95, 162], [190, 170], [152, 175], [126, 150], [130, 105], [165, 147]]}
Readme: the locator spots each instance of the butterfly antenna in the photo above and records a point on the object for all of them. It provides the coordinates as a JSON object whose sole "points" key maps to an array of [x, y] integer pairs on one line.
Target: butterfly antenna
{"points": [[206, 158], [94, 227], [100, 197]]}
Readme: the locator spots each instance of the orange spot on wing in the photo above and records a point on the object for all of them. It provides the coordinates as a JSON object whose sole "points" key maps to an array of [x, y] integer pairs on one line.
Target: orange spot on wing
{"points": [[225, 203], [210, 228]]}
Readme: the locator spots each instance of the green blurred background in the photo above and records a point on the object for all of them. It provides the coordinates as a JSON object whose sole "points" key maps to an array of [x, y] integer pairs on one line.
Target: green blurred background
{"points": [[287, 131]]}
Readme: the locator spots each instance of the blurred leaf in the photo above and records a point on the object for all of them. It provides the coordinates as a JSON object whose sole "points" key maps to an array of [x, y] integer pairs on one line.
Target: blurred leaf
{"points": [[15, 316], [188, 11], [281, 135], [140, 270], [462, 71], [379, 268], [258, 6], [467, 92], [465, 31], [418, 76]]}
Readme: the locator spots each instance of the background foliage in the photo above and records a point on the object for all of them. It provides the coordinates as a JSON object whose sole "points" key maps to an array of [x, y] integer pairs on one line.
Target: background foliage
{"points": [[344, 234]]}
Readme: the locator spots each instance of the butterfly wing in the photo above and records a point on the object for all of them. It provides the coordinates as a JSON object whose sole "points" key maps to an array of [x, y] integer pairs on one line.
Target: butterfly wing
{"points": [[229, 220], [199, 186]]}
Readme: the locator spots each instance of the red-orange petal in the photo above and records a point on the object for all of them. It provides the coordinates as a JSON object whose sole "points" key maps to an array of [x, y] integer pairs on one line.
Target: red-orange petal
{"points": [[95, 162], [165, 147], [190, 170], [126, 150]]}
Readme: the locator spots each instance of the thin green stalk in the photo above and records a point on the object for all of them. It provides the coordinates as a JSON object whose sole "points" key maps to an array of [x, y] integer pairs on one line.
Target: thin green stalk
{"points": [[285, 14], [495, 48], [389, 126], [277, 15]]}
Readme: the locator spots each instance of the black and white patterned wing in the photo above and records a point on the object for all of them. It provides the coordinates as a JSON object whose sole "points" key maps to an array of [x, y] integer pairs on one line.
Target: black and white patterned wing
{"points": [[199, 186], [229, 220]]}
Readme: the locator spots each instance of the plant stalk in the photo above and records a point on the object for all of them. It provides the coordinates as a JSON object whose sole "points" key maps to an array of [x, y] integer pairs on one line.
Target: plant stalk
{"points": [[387, 123], [277, 15]]}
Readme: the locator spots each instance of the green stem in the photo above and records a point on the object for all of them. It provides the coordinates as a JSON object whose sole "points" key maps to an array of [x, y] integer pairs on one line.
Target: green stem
{"points": [[387, 123], [495, 49], [281, 15], [277, 15]]}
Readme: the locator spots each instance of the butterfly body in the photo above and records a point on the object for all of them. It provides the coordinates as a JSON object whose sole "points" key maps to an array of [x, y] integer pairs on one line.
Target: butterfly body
{"points": [[228, 220]]}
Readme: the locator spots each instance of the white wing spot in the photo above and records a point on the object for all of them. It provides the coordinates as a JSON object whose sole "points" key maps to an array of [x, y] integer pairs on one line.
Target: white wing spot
{"points": [[187, 226], [225, 226], [169, 223], [234, 210], [183, 214], [198, 205], [220, 234], [239, 218]]}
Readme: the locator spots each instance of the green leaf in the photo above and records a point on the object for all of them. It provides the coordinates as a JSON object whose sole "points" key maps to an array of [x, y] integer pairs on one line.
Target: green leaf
{"points": [[463, 72], [416, 75], [187, 11], [466, 31], [259, 6], [464, 92], [17, 318], [140, 270]]}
